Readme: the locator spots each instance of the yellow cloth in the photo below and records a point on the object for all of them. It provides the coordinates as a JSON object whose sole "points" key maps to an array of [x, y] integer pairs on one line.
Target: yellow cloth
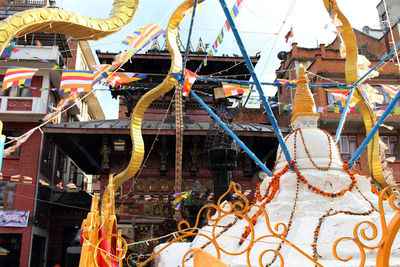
{"points": [[202, 258]]}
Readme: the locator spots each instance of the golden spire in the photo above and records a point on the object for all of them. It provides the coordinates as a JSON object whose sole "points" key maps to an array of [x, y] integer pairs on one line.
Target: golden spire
{"points": [[303, 104]]}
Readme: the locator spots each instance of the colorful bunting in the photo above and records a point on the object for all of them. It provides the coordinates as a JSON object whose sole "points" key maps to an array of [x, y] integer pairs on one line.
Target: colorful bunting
{"points": [[210, 196], [76, 81], [71, 186], [16, 76], [15, 178], [165, 198], [143, 36], [19, 141], [43, 182], [234, 12], [228, 90], [190, 79], [101, 72], [179, 198], [391, 89], [119, 78], [7, 51], [289, 34], [27, 180], [139, 40], [60, 185], [285, 82], [147, 197], [55, 67]]}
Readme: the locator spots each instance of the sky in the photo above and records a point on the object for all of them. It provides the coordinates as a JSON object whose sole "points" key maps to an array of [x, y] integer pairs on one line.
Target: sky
{"points": [[262, 25]]}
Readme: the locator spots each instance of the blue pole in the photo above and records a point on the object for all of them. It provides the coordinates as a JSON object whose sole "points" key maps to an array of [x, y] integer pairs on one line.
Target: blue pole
{"points": [[328, 85], [343, 118], [229, 131], [374, 130], [257, 83], [189, 35]]}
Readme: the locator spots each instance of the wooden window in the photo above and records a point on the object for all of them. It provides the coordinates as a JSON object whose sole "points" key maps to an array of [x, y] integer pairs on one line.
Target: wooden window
{"points": [[7, 194], [347, 146], [391, 143]]}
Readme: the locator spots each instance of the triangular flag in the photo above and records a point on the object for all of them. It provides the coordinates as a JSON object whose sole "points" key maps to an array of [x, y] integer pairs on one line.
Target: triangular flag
{"points": [[190, 78]]}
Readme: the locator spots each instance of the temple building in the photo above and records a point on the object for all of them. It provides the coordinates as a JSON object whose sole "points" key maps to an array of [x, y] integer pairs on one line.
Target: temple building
{"points": [[144, 202]]}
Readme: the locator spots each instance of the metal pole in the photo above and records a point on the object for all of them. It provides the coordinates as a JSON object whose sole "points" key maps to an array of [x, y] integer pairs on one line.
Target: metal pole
{"points": [[374, 130], [229, 131], [189, 35], [343, 118], [257, 83]]}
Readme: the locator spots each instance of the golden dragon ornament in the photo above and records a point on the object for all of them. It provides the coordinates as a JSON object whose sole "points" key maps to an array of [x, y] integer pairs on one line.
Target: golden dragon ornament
{"points": [[367, 113]]}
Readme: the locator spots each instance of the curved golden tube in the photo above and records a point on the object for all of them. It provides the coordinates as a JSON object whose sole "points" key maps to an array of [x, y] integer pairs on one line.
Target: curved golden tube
{"points": [[365, 110], [54, 20], [137, 115]]}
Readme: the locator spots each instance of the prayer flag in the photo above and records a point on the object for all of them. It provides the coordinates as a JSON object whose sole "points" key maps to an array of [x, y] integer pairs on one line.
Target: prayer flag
{"points": [[210, 196], [228, 90], [285, 82], [190, 78], [121, 58], [1, 176], [165, 198], [289, 34], [71, 186], [60, 185], [15, 178], [16, 76], [19, 141], [118, 78], [101, 71], [147, 197], [27, 180], [143, 36], [179, 198], [391, 89], [339, 94], [43, 182], [76, 81]]}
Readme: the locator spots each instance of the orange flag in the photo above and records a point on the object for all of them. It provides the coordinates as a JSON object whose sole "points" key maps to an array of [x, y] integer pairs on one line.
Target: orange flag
{"points": [[202, 258], [190, 78]]}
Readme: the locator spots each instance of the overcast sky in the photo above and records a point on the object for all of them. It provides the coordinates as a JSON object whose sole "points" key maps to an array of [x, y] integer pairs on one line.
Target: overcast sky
{"points": [[259, 22]]}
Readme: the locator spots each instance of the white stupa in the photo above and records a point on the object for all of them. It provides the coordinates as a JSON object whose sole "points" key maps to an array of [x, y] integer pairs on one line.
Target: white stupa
{"points": [[320, 203]]}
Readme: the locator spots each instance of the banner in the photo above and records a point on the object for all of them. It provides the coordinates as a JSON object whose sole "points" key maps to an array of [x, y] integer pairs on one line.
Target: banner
{"points": [[14, 218]]}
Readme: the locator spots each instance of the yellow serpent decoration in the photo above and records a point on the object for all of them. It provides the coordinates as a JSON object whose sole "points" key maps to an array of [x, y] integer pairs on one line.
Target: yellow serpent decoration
{"points": [[365, 110], [54, 20]]}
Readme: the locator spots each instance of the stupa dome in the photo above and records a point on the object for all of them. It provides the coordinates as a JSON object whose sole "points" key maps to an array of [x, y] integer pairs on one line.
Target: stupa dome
{"points": [[310, 147]]}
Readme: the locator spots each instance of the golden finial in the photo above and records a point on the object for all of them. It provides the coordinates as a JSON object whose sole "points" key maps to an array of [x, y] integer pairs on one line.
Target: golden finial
{"points": [[303, 104]]}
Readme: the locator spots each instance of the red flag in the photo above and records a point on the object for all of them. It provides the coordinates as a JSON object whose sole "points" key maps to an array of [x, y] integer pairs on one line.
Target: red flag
{"points": [[105, 246], [190, 78], [289, 35]]}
